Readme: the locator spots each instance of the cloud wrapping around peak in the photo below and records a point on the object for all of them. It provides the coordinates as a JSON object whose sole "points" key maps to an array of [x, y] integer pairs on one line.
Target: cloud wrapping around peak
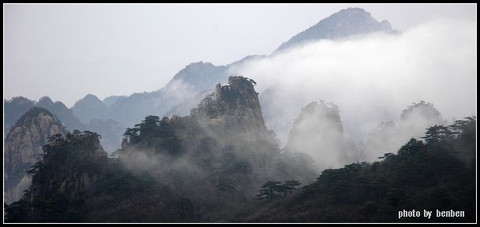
{"points": [[372, 78]]}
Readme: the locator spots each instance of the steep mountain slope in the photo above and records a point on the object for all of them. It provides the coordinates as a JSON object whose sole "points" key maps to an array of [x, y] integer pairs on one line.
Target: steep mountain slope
{"points": [[198, 77], [13, 110], [155, 180], [234, 105], [346, 22], [68, 174], [432, 176], [224, 138], [203, 83], [183, 92], [188, 82], [196, 168], [23, 147]]}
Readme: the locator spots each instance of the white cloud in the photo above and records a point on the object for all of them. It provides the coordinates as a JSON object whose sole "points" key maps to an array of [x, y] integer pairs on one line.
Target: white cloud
{"points": [[373, 78]]}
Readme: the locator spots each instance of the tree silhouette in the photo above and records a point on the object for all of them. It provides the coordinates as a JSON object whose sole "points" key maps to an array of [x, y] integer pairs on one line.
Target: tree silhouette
{"points": [[156, 133], [436, 134], [289, 186], [274, 189], [270, 190]]}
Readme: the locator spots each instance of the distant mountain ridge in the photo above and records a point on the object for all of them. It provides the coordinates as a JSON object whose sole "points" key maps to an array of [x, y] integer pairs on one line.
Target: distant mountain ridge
{"points": [[13, 109], [17, 106], [110, 100], [110, 130], [199, 77], [183, 91], [346, 22], [188, 82], [89, 108]]}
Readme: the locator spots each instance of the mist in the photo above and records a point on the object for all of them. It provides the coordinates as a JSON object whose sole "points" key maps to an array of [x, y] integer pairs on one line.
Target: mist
{"points": [[372, 78]]}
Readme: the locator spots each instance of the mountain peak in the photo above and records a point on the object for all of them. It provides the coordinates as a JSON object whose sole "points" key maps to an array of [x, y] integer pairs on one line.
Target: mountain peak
{"points": [[195, 78], [351, 11], [344, 23], [88, 99], [23, 145], [91, 97], [88, 108], [45, 100], [318, 132], [191, 71], [234, 105], [26, 119], [421, 115]]}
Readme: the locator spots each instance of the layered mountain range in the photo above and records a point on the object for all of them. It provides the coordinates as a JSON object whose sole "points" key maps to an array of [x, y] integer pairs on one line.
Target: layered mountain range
{"points": [[200, 149], [110, 117], [216, 157], [189, 85], [209, 165]]}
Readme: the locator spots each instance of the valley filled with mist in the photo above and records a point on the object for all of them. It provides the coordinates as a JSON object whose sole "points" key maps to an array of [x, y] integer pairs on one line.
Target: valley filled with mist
{"points": [[349, 121]]}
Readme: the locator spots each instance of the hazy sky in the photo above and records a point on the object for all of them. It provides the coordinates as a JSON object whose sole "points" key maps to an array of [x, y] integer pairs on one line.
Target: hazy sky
{"points": [[67, 51]]}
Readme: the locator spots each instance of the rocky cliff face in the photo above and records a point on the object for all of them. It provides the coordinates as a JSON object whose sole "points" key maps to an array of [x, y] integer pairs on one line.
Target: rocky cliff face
{"points": [[167, 170], [23, 147], [70, 166], [234, 107], [68, 174], [223, 139], [188, 82]]}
